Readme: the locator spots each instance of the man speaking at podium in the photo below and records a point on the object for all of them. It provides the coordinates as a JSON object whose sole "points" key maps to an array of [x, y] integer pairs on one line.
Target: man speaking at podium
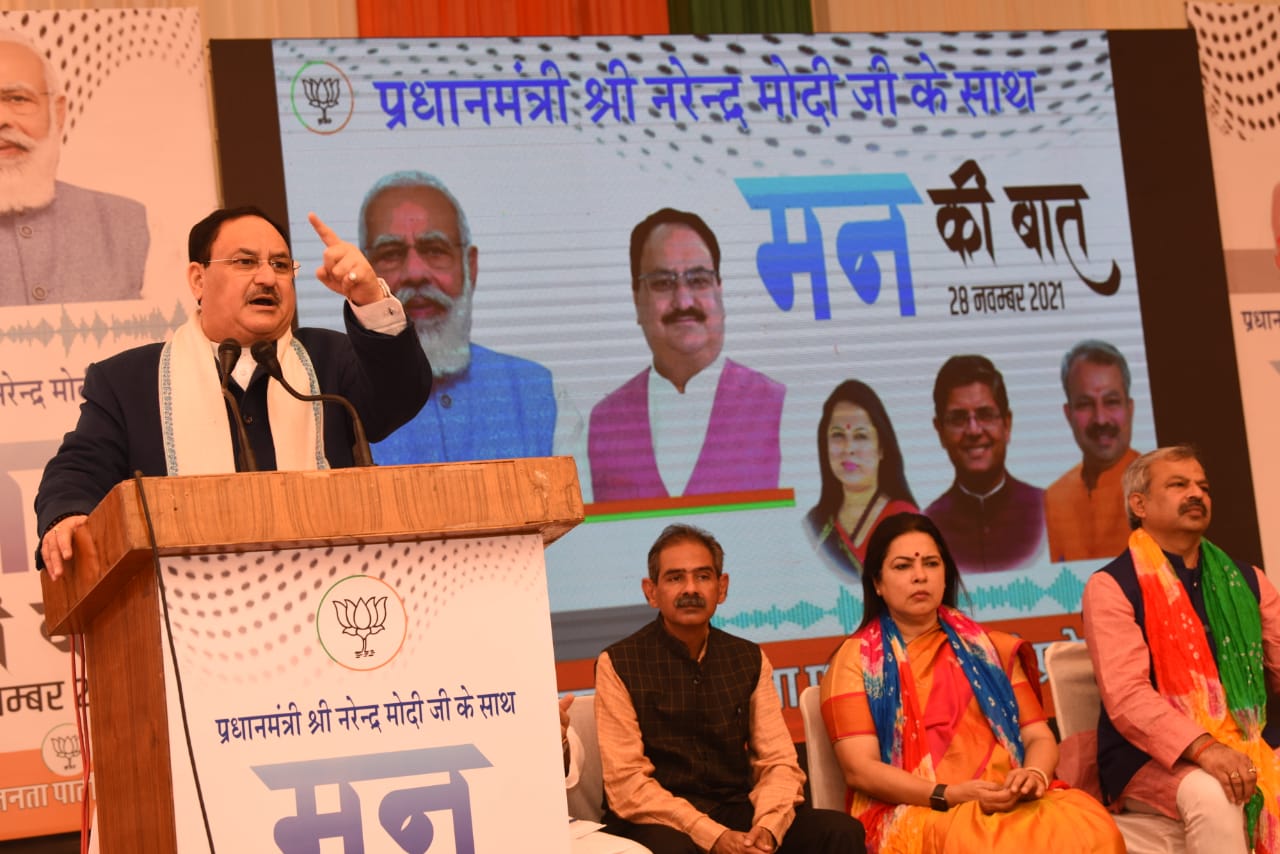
{"points": [[159, 408]]}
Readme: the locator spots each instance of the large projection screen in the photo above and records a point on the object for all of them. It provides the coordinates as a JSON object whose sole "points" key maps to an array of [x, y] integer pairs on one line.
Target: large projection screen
{"points": [[882, 203]]}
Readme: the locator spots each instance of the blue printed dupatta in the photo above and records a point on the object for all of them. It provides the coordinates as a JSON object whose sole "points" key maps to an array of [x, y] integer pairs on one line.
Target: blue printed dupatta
{"points": [[896, 709]]}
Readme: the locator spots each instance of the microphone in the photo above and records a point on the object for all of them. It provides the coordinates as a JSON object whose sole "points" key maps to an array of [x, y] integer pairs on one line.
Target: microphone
{"points": [[228, 355], [264, 353]]}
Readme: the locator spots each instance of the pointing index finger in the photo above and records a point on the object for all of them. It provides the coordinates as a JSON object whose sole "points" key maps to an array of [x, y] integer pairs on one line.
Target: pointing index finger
{"points": [[325, 233]]}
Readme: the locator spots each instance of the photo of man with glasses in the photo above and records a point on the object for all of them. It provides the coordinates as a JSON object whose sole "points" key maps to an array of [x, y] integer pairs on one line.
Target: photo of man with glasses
{"points": [[160, 409], [59, 243], [487, 405], [991, 520], [694, 422]]}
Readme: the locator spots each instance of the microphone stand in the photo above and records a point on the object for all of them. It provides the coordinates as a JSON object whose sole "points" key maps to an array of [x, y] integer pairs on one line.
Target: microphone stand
{"points": [[228, 355], [264, 353]]}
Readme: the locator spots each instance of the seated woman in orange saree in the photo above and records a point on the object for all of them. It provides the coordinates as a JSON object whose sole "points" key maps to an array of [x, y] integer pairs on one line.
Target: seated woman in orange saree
{"points": [[937, 723]]}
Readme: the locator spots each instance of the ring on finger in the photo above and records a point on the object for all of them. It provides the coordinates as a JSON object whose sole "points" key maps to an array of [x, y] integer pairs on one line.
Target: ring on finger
{"points": [[352, 276]]}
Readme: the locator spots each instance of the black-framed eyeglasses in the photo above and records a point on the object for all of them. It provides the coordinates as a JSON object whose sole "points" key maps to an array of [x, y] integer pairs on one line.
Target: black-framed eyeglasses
{"points": [[696, 279], [247, 265], [986, 416]]}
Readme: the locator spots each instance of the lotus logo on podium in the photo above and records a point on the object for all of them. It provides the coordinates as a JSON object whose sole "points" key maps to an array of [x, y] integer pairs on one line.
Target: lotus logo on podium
{"points": [[362, 618], [361, 623], [322, 98]]}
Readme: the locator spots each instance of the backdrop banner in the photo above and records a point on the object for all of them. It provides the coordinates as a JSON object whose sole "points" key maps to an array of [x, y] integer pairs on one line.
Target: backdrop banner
{"points": [[93, 219], [881, 203]]}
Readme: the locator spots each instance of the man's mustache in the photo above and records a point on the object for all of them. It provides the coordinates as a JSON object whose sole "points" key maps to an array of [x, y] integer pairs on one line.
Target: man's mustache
{"points": [[13, 136], [1099, 431], [260, 293], [1185, 506], [406, 291], [691, 600], [678, 314]]}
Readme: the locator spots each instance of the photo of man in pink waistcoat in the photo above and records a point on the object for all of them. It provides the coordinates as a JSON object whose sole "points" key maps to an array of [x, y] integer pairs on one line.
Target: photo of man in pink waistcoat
{"points": [[694, 422]]}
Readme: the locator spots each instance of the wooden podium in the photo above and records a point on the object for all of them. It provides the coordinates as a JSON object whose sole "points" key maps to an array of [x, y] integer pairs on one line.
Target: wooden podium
{"points": [[112, 595]]}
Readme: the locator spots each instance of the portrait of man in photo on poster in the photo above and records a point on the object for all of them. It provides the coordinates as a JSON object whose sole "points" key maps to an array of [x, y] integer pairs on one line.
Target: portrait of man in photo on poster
{"points": [[660, 434], [992, 521], [1084, 508], [485, 404], [59, 242]]}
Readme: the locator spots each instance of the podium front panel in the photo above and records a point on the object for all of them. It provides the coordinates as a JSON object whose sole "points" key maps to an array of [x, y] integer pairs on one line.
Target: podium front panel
{"points": [[395, 697]]}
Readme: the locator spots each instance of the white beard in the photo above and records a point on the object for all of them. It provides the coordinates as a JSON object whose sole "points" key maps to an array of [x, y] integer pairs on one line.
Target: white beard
{"points": [[446, 339], [28, 184]]}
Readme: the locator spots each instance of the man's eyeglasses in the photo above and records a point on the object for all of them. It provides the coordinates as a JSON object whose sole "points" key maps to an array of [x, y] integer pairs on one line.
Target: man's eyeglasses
{"points": [[437, 253], [958, 419], [247, 265], [20, 101], [663, 282]]}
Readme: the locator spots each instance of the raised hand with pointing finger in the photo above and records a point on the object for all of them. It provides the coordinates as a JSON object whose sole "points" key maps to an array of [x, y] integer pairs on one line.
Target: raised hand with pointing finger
{"points": [[344, 269]]}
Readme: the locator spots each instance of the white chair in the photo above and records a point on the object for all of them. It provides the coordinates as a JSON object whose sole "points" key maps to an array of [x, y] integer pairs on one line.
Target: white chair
{"points": [[826, 780], [1076, 706], [1075, 692], [586, 800]]}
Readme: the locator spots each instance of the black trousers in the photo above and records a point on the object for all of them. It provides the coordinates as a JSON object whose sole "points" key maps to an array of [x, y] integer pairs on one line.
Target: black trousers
{"points": [[812, 832]]}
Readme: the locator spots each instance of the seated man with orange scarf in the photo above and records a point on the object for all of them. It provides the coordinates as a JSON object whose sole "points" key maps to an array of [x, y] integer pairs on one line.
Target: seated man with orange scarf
{"points": [[1185, 644]]}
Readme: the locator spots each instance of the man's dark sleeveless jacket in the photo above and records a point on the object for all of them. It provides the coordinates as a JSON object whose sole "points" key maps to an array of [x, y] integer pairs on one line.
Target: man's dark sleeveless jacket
{"points": [[695, 717], [1119, 760]]}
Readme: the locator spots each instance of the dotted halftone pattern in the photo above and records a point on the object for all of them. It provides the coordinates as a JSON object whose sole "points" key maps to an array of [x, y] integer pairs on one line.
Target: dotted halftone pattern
{"points": [[249, 618], [1072, 89], [86, 46], [1239, 65]]}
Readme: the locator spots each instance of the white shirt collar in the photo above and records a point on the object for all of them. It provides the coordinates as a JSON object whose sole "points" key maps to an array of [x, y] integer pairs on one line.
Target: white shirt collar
{"points": [[678, 422]]}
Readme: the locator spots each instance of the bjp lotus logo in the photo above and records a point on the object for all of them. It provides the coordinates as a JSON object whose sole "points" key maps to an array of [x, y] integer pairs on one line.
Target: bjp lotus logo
{"points": [[61, 751], [362, 618], [67, 747], [354, 611], [322, 98]]}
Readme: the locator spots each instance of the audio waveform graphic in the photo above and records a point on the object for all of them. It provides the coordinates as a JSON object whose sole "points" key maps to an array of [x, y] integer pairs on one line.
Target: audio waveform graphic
{"points": [[847, 611], [147, 325], [1022, 594]]}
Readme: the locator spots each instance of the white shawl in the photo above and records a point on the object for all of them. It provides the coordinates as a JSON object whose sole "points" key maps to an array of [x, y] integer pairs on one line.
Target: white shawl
{"points": [[193, 413]]}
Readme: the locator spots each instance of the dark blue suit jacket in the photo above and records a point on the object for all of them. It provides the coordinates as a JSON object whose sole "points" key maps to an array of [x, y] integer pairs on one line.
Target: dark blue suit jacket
{"points": [[387, 378]]}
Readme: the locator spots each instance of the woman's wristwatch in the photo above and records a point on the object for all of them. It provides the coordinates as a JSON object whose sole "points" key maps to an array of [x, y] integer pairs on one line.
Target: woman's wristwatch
{"points": [[938, 800]]}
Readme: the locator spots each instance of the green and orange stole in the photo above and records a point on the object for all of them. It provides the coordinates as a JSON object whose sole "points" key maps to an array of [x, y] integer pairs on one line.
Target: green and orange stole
{"points": [[1227, 695]]}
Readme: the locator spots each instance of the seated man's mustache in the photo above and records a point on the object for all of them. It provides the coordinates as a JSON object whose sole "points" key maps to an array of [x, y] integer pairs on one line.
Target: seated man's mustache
{"points": [[678, 314], [1186, 506], [1098, 431], [691, 600]]}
